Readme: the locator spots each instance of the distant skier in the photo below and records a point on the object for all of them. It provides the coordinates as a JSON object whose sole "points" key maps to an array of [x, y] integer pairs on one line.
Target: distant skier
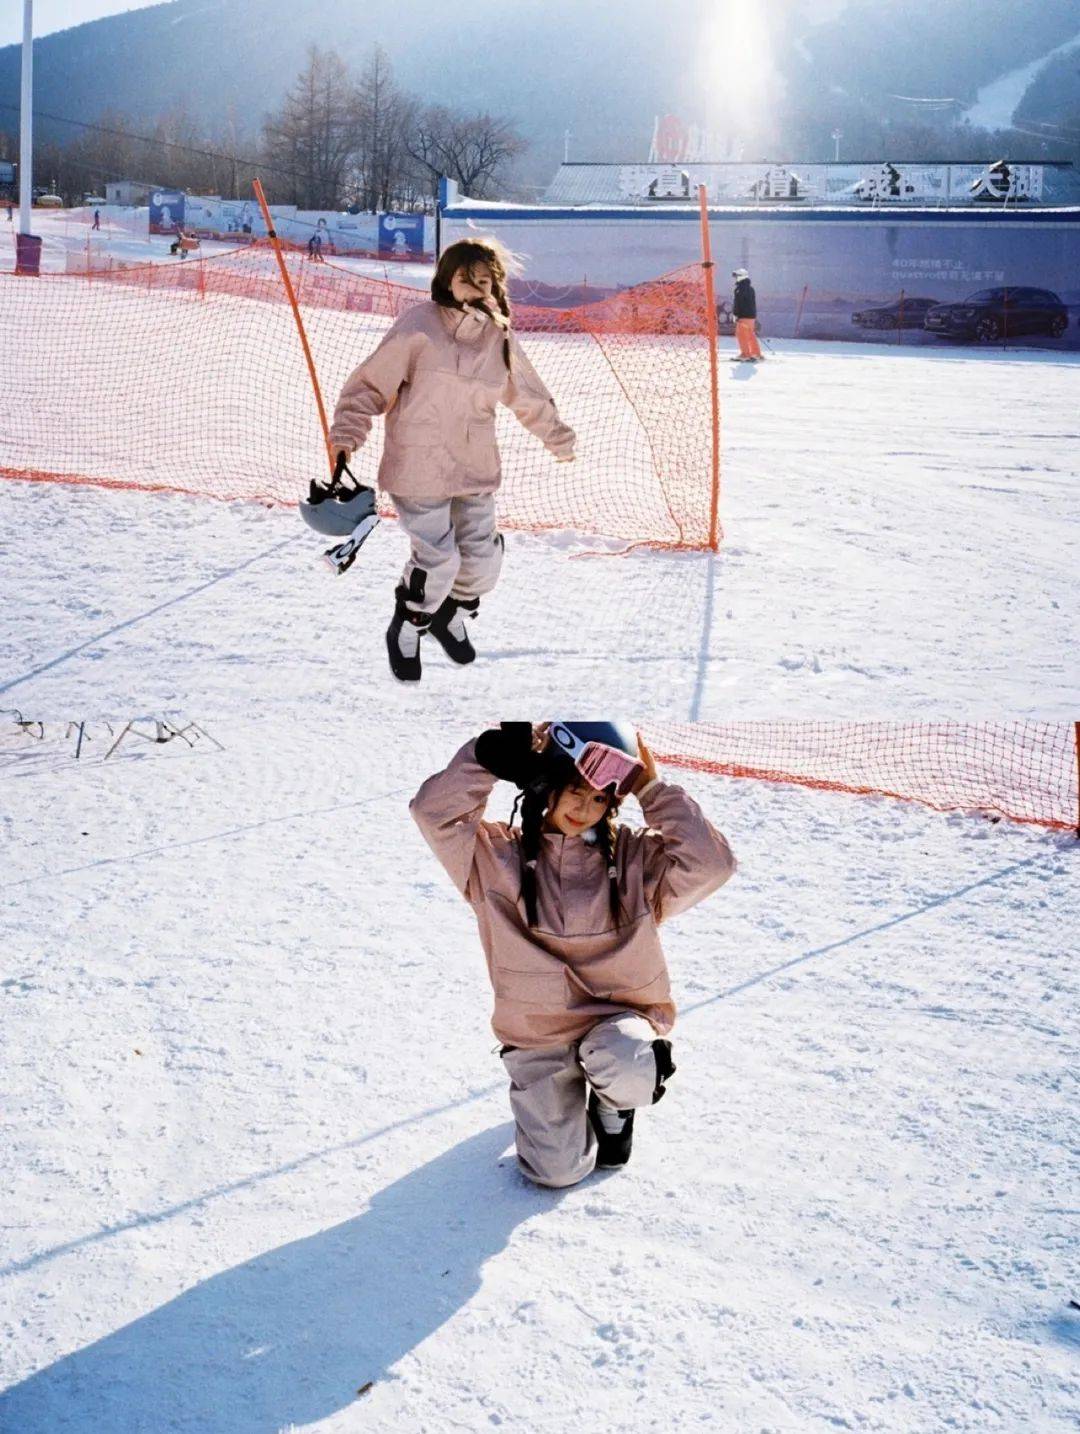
{"points": [[314, 248], [97, 219], [439, 375], [184, 243], [568, 905], [744, 308]]}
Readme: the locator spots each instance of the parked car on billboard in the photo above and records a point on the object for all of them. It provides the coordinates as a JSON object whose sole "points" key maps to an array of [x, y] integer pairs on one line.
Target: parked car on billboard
{"points": [[906, 313], [992, 314]]}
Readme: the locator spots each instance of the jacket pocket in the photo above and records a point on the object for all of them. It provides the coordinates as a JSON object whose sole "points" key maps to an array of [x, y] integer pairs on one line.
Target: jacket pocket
{"points": [[482, 449], [542, 989], [635, 971]]}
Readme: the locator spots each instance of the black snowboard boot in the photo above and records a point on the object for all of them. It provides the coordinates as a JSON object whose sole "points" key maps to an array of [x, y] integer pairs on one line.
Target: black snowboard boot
{"points": [[612, 1146], [403, 639], [448, 628]]}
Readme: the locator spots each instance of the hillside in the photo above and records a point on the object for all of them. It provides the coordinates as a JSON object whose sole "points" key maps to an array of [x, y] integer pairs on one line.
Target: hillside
{"points": [[558, 66]]}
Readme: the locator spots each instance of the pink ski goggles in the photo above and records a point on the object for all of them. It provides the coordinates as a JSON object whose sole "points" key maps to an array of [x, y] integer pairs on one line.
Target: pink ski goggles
{"points": [[600, 765]]}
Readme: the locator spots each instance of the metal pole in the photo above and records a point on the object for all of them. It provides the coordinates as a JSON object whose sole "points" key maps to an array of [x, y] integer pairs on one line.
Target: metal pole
{"points": [[714, 386], [26, 147]]}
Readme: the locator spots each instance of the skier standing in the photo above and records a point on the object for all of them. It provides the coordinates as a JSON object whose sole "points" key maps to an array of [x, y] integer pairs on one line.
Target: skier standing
{"points": [[568, 905], [438, 375], [744, 308], [97, 219]]}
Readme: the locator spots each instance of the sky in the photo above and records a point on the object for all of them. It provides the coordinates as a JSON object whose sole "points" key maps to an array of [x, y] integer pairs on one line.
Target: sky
{"points": [[50, 15]]}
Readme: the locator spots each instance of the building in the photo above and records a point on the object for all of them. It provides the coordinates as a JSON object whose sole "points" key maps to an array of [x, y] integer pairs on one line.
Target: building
{"points": [[128, 192]]}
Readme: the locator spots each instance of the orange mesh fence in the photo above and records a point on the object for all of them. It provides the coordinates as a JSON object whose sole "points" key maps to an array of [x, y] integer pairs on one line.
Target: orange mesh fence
{"points": [[1025, 771], [188, 375]]}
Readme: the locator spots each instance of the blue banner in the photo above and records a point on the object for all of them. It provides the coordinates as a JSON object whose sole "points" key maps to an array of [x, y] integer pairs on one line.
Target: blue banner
{"points": [[166, 211], [401, 233]]}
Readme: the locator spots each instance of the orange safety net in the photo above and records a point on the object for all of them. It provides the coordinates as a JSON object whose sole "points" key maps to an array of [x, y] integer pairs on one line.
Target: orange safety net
{"points": [[189, 376], [1024, 771]]}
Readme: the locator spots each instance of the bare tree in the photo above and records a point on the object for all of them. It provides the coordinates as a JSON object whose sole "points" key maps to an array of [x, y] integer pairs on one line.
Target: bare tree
{"points": [[313, 134], [384, 114], [473, 149]]}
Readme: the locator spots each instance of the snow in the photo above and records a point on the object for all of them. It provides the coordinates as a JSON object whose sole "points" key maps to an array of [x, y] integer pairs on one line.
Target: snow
{"points": [[70, 245], [901, 541], [260, 1155], [258, 1169], [995, 104]]}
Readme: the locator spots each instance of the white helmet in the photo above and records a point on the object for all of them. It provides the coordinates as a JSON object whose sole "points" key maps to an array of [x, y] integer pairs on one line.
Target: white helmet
{"points": [[738, 274]]}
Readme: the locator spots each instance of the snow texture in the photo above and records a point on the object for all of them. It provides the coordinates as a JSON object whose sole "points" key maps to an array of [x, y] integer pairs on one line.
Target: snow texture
{"points": [[901, 542], [258, 1172]]}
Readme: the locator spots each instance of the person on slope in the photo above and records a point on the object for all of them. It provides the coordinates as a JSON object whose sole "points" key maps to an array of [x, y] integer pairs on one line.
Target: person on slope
{"points": [[568, 905], [744, 308], [438, 375]]}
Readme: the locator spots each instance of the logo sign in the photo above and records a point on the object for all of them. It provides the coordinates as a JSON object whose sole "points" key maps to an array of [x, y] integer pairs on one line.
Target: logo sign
{"points": [[401, 233], [166, 211]]}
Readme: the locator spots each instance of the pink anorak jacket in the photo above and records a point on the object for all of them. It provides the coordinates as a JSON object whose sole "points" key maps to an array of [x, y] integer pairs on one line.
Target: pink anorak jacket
{"points": [[576, 967], [446, 370]]}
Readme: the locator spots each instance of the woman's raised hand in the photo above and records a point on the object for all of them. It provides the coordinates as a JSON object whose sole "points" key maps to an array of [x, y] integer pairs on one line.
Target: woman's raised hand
{"points": [[648, 762]]}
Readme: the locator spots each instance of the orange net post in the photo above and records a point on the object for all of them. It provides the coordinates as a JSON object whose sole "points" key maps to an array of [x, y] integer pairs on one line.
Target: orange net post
{"points": [[1023, 771], [802, 305], [714, 379], [283, 268]]}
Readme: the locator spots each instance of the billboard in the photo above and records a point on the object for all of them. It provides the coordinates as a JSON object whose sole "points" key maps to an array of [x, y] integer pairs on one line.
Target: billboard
{"points": [[166, 211], [879, 183], [401, 233], [973, 278]]}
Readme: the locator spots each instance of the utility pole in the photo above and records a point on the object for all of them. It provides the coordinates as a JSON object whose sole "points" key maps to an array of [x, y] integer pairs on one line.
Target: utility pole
{"points": [[27, 247], [26, 143]]}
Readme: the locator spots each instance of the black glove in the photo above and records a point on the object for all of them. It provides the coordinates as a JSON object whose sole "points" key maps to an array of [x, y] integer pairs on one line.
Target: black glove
{"points": [[506, 751]]}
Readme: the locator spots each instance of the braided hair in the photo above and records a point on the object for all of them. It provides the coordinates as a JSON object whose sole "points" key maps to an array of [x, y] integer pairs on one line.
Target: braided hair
{"points": [[466, 254], [534, 802]]}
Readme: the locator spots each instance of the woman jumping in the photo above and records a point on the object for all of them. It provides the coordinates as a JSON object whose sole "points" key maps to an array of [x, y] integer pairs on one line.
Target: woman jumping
{"points": [[438, 375], [568, 905]]}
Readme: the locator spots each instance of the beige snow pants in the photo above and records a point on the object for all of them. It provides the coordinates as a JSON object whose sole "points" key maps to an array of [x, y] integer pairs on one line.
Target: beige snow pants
{"points": [[555, 1142], [456, 549]]}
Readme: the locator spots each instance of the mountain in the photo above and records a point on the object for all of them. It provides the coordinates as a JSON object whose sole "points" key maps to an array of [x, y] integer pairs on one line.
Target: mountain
{"points": [[550, 64], [603, 71]]}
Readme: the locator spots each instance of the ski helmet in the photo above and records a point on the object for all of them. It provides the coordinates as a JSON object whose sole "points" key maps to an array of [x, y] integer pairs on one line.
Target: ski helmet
{"points": [[336, 515], [739, 274], [604, 753]]}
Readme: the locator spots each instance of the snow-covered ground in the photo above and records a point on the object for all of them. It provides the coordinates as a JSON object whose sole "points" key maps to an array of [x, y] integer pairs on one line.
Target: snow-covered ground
{"points": [[257, 1170], [71, 245], [901, 541]]}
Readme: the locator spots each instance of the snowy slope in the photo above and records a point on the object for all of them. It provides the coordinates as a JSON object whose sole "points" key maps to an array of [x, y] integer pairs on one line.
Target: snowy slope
{"points": [[902, 540], [258, 1140], [996, 102]]}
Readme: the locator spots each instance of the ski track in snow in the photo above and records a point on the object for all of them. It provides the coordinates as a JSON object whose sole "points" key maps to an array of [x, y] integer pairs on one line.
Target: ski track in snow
{"points": [[256, 1163], [901, 541]]}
